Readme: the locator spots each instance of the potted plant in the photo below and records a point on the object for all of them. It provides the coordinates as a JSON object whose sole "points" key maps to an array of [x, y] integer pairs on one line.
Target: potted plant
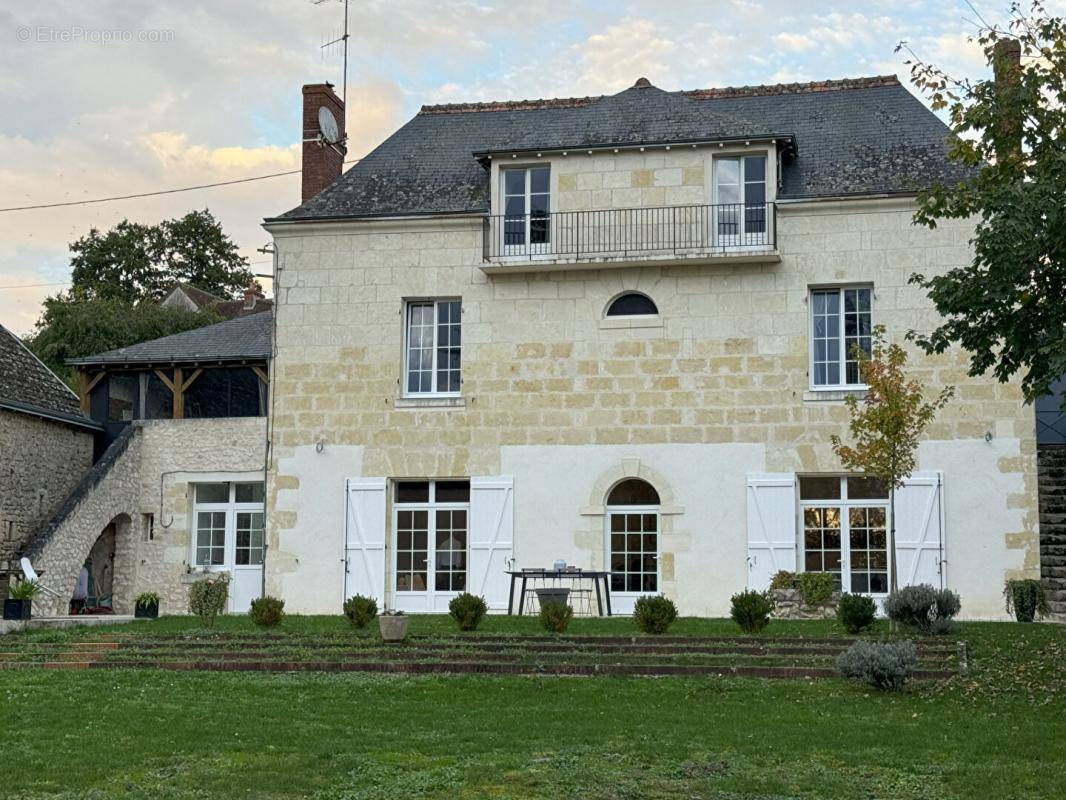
{"points": [[20, 600], [146, 606], [553, 595], [393, 625]]}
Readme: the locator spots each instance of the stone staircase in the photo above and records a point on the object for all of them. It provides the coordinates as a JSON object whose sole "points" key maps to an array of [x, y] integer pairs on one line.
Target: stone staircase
{"points": [[1051, 460]]}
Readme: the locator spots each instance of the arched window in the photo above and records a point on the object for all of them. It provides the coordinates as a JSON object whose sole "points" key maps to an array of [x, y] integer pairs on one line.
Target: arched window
{"points": [[632, 304], [633, 537]]}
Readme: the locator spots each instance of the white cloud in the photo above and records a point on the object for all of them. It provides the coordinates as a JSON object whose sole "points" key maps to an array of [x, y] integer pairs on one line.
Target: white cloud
{"points": [[796, 42]]}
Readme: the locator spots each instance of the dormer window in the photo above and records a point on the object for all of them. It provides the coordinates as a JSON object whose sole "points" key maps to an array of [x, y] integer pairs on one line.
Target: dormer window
{"points": [[526, 206], [740, 200]]}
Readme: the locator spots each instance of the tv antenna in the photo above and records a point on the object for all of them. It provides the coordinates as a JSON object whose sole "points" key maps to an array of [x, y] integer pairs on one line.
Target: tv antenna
{"points": [[343, 41]]}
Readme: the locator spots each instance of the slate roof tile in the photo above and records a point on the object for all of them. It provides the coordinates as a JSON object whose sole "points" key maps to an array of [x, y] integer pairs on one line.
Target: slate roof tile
{"points": [[28, 385]]}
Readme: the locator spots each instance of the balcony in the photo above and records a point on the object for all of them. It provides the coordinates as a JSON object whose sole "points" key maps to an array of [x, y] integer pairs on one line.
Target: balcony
{"points": [[670, 235]]}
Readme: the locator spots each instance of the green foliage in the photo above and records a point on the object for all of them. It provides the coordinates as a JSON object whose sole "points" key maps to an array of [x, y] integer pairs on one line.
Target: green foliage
{"points": [[133, 262], [856, 612], [360, 610], [207, 597], [24, 590], [1004, 307], [751, 610], [147, 599], [783, 579], [1026, 600], [467, 610], [555, 616], [654, 613], [267, 611], [815, 588], [923, 607], [73, 326], [884, 665], [888, 422]]}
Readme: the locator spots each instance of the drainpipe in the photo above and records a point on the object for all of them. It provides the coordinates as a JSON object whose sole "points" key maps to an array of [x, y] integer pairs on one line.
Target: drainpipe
{"points": [[268, 429]]}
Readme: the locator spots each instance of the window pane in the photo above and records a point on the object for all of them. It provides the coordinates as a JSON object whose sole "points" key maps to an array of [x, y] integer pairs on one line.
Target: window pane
{"points": [[728, 171], [412, 491], [122, 397], [538, 205], [249, 493], [819, 487], [755, 169], [866, 489], [212, 493], [632, 304], [515, 181], [453, 492], [539, 182], [633, 492]]}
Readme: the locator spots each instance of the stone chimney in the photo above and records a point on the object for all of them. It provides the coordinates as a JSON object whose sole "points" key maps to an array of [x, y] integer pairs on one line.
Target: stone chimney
{"points": [[323, 152], [1007, 68]]}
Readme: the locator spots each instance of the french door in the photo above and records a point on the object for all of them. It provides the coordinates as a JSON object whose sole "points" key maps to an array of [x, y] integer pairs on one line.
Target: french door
{"points": [[229, 537], [632, 539], [740, 201], [430, 543], [526, 207]]}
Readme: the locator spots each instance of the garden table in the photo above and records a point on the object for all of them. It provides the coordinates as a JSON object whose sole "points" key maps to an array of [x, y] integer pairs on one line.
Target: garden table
{"points": [[596, 576]]}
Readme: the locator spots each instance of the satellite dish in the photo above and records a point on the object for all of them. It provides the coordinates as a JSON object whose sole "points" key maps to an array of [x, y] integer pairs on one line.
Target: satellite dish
{"points": [[327, 124]]}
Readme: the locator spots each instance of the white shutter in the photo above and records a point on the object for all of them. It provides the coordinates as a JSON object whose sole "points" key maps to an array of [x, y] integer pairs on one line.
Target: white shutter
{"points": [[920, 530], [491, 538], [364, 546], [771, 527]]}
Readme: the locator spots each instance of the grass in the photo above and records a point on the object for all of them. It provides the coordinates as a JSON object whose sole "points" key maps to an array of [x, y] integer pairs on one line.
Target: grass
{"points": [[157, 734]]}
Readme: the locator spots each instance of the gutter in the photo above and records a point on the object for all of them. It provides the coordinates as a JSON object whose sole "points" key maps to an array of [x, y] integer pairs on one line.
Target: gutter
{"points": [[55, 416], [657, 145]]}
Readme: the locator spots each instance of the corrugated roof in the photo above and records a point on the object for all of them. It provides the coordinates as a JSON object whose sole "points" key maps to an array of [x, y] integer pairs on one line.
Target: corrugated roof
{"points": [[27, 385], [241, 339], [858, 136]]}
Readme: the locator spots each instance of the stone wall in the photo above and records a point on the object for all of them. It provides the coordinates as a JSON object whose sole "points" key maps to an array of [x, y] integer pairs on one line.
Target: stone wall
{"points": [[724, 364], [1053, 524], [42, 461]]}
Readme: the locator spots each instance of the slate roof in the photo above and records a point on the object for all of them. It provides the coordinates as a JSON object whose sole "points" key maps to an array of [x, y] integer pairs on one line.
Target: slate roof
{"points": [[241, 339], [28, 386], [851, 137], [227, 309]]}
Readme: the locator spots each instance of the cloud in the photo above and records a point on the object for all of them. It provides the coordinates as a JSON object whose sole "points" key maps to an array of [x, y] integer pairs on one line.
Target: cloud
{"points": [[796, 42]]}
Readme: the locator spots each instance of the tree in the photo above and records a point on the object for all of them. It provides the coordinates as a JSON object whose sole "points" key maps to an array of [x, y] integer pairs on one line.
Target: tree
{"points": [[72, 327], [1006, 307], [134, 262], [887, 424]]}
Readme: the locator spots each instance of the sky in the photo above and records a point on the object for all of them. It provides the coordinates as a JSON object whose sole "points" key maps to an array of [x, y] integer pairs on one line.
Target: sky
{"points": [[114, 97]]}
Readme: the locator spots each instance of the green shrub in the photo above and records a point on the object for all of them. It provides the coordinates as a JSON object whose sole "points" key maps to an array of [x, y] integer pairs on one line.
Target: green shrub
{"points": [[783, 579], [24, 590], [555, 616], [467, 610], [654, 613], [751, 610], [856, 612], [360, 610], [923, 607], [1026, 600], [147, 599], [883, 665], [207, 597], [267, 611], [815, 588]]}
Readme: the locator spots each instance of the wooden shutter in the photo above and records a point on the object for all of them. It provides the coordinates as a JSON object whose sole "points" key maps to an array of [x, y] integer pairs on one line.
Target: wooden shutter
{"points": [[364, 546], [920, 530], [771, 527], [491, 538]]}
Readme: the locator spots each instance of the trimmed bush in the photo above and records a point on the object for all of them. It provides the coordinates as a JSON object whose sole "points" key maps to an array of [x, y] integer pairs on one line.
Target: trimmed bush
{"points": [[654, 613], [467, 610], [555, 616], [884, 665], [208, 596], [815, 588], [855, 612], [783, 579], [1026, 600], [360, 610], [923, 607], [751, 610], [267, 612]]}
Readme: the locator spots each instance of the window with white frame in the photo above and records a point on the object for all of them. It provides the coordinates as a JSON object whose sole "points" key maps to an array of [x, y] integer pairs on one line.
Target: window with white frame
{"points": [[433, 347], [633, 537], [229, 524], [845, 522], [431, 520], [526, 208], [841, 319], [740, 200]]}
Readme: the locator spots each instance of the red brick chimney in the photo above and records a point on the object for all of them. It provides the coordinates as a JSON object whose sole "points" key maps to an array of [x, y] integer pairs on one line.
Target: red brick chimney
{"points": [[252, 295], [323, 147]]}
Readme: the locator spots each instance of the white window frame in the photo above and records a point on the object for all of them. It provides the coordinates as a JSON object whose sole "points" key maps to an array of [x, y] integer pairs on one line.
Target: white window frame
{"points": [[230, 508], [842, 385], [609, 511], [527, 248], [844, 504], [437, 302], [430, 507], [737, 239]]}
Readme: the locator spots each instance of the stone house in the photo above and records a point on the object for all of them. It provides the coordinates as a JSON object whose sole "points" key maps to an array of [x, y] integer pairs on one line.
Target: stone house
{"points": [[46, 444], [615, 331], [193, 298]]}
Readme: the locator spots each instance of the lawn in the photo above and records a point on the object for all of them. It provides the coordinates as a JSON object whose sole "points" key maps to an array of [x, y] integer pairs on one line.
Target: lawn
{"points": [[996, 733]]}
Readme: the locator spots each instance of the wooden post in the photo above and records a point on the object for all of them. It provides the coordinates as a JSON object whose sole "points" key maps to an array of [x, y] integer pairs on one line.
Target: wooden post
{"points": [[87, 387], [178, 390]]}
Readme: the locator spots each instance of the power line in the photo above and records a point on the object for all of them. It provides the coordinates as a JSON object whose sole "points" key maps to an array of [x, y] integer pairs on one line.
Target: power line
{"points": [[156, 194], [36, 285]]}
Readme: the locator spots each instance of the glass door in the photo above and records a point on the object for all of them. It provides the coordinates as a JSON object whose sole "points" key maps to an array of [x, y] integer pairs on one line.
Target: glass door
{"points": [[526, 206], [740, 211]]}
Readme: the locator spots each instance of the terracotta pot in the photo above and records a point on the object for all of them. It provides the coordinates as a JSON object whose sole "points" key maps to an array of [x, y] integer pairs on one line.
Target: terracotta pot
{"points": [[393, 628]]}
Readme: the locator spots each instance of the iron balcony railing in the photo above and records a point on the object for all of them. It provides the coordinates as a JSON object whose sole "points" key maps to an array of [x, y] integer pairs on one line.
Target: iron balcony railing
{"points": [[625, 232]]}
